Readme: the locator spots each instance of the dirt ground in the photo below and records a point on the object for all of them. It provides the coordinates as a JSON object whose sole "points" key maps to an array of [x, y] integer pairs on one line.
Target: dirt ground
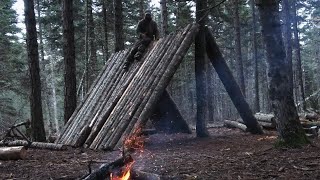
{"points": [[226, 154]]}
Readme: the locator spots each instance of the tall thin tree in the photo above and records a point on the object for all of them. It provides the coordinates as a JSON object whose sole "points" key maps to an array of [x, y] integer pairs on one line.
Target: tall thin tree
{"points": [[118, 25], [255, 58], [38, 132], [105, 29], [70, 89], [288, 37], [238, 47], [298, 53], [289, 128], [201, 69], [164, 17]]}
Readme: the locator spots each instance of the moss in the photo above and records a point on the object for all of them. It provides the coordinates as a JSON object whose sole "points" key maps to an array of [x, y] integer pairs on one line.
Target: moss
{"points": [[296, 142]]}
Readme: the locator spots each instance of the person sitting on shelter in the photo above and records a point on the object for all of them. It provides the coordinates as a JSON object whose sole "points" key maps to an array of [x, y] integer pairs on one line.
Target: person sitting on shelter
{"points": [[147, 31]]}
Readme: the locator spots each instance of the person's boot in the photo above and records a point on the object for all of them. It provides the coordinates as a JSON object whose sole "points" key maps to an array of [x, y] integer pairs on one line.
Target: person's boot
{"points": [[138, 56], [126, 65]]}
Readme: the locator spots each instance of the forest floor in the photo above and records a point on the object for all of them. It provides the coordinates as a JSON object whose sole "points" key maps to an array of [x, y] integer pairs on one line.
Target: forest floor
{"points": [[226, 154]]}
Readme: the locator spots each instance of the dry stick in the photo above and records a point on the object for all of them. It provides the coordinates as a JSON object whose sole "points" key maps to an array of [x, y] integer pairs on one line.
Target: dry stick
{"points": [[83, 132], [168, 57], [81, 119], [102, 108], [73, 120], [166, 77], [66, 127], [138, 97], [120, 104]]}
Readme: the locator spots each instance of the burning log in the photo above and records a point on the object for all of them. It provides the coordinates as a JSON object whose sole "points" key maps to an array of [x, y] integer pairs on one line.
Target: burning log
{"points": [[36, 145], [13, 153], [106, 169], [235, 124]]}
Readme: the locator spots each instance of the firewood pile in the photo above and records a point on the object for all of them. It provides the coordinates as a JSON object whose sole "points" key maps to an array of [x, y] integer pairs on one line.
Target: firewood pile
{"points": [[310, 122], [120, 101]]}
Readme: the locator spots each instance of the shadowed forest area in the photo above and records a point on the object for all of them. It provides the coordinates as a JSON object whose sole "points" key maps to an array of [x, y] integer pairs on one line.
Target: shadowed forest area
{"points": [[225, 90]]}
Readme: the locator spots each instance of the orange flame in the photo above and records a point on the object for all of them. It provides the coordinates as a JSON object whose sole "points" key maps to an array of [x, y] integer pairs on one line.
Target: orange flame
{"points": [[125, 176], [131, 143]]}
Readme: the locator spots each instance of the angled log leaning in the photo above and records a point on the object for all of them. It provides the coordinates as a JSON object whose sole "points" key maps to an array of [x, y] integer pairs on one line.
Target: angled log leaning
{"points": [[231, 85], [129, 101], [168, 56]]}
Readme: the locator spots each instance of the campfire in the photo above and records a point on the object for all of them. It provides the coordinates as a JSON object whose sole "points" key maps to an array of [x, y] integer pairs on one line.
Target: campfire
{"points": [[131, 144], [122, 168]]}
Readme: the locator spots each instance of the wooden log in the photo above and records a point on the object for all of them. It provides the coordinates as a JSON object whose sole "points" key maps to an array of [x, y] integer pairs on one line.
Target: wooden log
{"points": [[128, 99], [101, 123], [36, 145], [13, 153], [66, 127], [155, 73], [141, 175], [265, 117], [109, 105], [125, 127], [101, 92], [154, 93], [107, 89], [235, 124], [230, 84], [104, 171], [80, 111]]}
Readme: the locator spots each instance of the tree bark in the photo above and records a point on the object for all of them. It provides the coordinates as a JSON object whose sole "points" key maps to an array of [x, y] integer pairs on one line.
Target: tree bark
{"points": [[298, 54], [201, 70], [235, 124], [70, 90], [38, 132], [281, 96], [118, 25], [255, 58], [288, 38], [164, 17], [231, 85], [105, 29], [93, 69], [238, 47]]}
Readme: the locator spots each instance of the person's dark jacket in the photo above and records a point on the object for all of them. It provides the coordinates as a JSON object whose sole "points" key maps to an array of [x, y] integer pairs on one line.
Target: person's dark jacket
{"points": [[149, 28]]}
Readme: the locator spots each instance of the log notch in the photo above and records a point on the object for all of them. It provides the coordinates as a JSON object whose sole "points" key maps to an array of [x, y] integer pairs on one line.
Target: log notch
{"points": [[231, 85], [13, 153]]}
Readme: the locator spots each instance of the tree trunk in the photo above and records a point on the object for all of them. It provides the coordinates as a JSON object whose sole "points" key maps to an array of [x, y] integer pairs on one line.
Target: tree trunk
{"points": [[255, 58], [164, 17], [93, 69], [298, 55], [238, 47], [105, 29], [231, 85], [201, 70], [70, 91], [38, 132], [141, 9], [288, 38], [281, 96], [118, 25]]}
